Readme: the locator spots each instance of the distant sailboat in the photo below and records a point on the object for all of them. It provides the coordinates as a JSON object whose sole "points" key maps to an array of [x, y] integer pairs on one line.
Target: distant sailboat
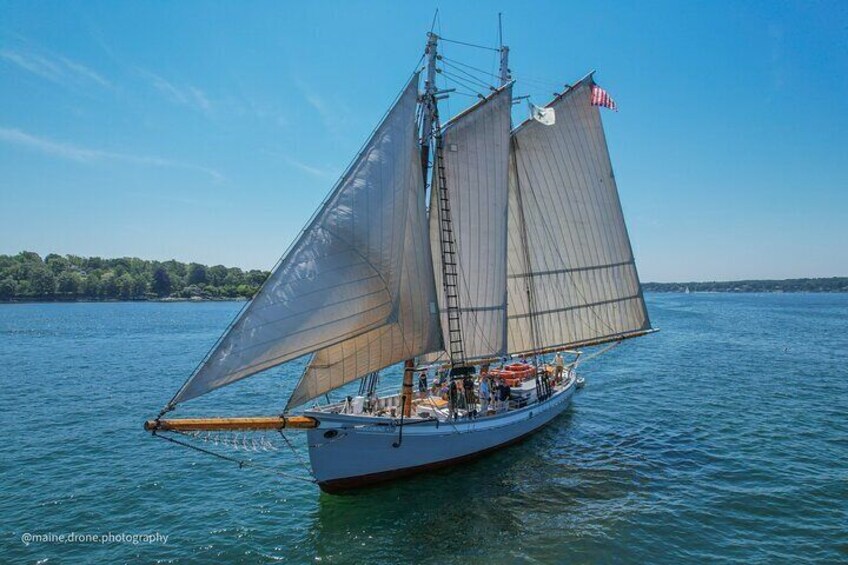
{"points": [[522, 251]]}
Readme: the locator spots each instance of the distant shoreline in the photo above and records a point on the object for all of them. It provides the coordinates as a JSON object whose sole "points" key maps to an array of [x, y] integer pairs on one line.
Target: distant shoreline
{"points": [[650, 288], [818, 285], [29, 278], [60, 300]]}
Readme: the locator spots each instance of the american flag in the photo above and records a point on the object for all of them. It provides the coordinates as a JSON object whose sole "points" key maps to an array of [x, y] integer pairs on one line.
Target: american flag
{"points": [[601, 98]]}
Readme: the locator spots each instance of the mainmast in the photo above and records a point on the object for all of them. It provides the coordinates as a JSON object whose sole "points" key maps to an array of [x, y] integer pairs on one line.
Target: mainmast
{"points": [[505, 77]]}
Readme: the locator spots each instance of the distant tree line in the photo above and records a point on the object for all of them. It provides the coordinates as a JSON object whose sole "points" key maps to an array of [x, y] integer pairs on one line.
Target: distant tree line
{"points": [[26, 276], [833, 284]]}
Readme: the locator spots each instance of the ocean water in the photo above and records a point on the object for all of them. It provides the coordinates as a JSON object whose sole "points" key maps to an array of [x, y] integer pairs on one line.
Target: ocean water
{"points": [[722, 438]]}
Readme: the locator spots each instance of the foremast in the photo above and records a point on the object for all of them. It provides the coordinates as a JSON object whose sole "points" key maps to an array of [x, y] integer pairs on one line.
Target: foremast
{"points": [[431, 143]]}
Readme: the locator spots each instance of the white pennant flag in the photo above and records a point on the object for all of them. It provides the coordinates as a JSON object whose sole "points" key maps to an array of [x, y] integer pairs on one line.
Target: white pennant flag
{"points": [[546, 116]]}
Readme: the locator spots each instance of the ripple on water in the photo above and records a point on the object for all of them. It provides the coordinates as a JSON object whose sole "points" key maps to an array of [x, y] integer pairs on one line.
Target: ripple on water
{"points": [[723, 437]]}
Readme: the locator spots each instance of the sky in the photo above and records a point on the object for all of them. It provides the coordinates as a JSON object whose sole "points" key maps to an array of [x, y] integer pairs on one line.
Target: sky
{"points": [[211, 131]]}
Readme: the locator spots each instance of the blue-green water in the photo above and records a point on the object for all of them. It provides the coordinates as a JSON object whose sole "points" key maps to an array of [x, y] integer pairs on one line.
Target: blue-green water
{"points": [[725, 436]]}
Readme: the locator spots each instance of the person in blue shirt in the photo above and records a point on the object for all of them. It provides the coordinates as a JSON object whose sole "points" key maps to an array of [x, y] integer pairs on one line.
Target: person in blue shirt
{"points": [[484, 394]]}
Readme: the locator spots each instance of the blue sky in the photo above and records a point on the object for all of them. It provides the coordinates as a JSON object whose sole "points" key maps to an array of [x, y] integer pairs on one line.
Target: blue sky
{"points": [[211, 131]]}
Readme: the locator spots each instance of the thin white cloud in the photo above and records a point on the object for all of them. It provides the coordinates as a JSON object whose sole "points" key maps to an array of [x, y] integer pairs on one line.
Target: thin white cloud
{"points": [[55, 68], [249, 106], [332, 113], [88, 155], [314, 171], [321, 106], [200, 98], [186, 95]]}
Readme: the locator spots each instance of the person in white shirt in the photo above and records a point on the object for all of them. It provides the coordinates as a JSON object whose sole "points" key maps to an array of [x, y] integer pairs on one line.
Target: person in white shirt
{"points": [[558, 367]]}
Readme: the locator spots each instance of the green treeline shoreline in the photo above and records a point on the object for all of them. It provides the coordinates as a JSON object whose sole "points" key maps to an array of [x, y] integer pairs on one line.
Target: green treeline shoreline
{"points": [[28, 277], [832, 284]]}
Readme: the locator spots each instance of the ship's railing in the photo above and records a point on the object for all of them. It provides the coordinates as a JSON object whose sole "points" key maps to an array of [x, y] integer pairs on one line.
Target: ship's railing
{"points": [[388, 397]]}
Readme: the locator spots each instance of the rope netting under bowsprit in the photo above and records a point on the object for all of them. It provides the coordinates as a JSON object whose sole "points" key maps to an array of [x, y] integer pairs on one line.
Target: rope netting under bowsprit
{"points": [[257, 444], [254, 442]]}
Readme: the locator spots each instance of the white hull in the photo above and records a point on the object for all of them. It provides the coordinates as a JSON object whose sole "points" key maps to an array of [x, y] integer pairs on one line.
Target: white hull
{"points": [[348, 451]]}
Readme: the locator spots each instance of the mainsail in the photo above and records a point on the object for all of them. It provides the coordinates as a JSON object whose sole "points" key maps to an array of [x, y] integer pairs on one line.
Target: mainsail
{"points": [[475, 160], [571, 274], [342, 276]]}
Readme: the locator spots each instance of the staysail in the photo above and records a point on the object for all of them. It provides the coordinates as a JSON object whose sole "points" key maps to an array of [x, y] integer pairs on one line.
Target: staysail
{"points": [[341, 278], [475, 160], [414, 332], [571, 274]]}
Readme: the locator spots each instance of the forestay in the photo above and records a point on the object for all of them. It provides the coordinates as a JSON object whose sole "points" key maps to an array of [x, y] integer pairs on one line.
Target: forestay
{"points": [[569, 258], [476, 155], [341, 278]]}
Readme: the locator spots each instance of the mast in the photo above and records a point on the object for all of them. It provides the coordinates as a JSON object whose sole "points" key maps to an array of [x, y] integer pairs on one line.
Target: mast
{"points": [[503, 73], [534, 333], [432, 140], [428, 101]]}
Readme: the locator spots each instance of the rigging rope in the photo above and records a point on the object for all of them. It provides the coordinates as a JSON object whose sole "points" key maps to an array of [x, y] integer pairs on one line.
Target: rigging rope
{"points": [[454, 62], [465, 83], [446, 40], [520, 77], [596, 353], [469, 94], [469, 75], [294, 451]]}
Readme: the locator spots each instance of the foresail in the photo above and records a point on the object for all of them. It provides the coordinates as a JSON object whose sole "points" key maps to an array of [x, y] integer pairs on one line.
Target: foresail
{"points": [[341, 278], [414, 332], [571, 273], [475, 160]]}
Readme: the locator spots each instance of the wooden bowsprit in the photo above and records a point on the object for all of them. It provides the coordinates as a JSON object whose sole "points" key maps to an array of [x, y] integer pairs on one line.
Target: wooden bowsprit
{"points": [[232, 424]]}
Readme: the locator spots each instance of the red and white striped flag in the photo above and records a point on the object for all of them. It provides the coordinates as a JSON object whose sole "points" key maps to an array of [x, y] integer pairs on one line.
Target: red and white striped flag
{"points": [[601, 98]]}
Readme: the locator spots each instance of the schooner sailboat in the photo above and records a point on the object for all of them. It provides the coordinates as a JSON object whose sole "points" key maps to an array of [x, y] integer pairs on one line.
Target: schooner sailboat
{"points": [[468, 248]]}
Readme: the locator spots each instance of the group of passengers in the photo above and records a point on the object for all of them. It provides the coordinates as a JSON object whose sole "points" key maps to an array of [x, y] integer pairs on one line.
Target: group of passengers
{"points": [[494, 394], [491, 394]]}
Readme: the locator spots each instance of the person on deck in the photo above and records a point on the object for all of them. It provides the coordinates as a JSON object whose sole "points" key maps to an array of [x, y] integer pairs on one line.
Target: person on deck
{"points": [[422, 384], [452, 398], [444, 390], [468, 386], [559, 364], [484, 394], [503, 396]]}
